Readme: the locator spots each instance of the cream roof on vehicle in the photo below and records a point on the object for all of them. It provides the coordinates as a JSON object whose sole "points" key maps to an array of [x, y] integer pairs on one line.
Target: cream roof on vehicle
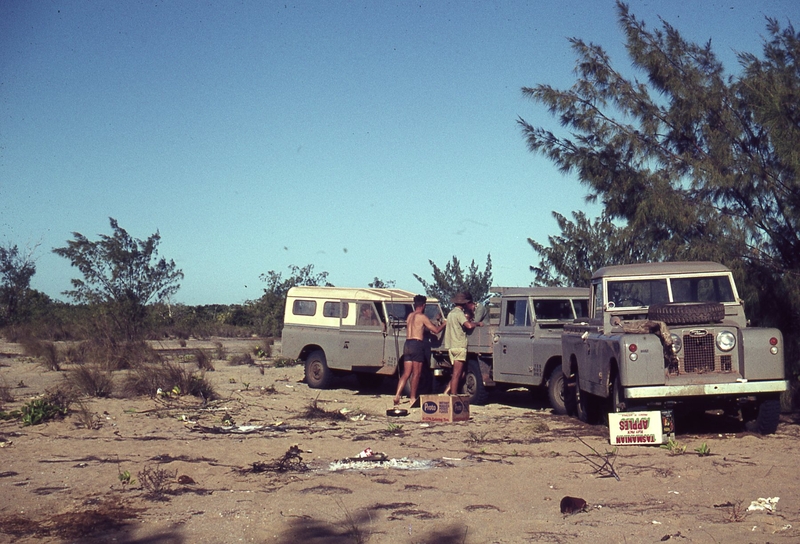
{"points": [[353, 293], [550, 292], [660, 269]]}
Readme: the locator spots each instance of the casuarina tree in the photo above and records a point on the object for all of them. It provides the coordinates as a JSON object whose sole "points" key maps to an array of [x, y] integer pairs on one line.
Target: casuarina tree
{"points": [[453, 278], [688, 162]]}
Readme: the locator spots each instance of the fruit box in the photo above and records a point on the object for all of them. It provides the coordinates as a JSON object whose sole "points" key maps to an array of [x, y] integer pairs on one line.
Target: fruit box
{"points": [[444, 408]]}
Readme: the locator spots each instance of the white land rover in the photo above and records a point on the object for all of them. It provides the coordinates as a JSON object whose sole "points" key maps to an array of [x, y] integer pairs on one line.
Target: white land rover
{"points": [[339, 329]]}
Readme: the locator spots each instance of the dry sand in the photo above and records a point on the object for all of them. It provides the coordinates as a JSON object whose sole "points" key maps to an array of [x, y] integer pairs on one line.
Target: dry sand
{"points": [[500, 477]]}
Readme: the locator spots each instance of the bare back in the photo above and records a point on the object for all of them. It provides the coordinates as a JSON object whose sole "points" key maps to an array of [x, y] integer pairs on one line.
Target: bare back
{"points": [[416, 324]]}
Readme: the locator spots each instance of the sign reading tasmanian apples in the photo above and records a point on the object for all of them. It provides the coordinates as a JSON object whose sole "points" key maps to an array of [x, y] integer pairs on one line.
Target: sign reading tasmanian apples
{"points": [[635, 428]]}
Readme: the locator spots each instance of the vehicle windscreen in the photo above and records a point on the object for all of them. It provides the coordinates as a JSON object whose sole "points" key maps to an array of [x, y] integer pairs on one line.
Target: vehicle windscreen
{"points": [[705, 289], [399, 311], [627, 293], [434, 312]]}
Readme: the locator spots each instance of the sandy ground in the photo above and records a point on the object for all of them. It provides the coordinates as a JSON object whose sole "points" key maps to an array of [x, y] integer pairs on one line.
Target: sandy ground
{"points": [[500, 477]]}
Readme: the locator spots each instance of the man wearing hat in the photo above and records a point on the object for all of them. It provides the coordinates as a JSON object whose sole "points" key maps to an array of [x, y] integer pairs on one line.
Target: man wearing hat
{"points": [[455, 335]]}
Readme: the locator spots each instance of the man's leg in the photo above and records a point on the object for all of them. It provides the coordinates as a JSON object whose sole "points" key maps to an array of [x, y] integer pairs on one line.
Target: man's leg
{"points": [[458, 366], [416, 372], [407, 367]]}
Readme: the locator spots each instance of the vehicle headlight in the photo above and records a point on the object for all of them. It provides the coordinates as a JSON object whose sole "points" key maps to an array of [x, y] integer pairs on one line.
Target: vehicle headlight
{"points": [[726, 341], [677, 343]]}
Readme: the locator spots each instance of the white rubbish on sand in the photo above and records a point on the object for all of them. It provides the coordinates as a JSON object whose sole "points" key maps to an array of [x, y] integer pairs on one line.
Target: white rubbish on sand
{"points": [[403, 463], [761, 503]]}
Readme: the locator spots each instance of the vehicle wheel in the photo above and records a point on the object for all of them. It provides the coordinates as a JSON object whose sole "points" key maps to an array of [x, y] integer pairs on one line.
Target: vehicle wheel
{"points": [[617, 396], [586, 404], [556, 391], [369, 381], [687, 313], [318, 375], [769, 415], [473, 384]]}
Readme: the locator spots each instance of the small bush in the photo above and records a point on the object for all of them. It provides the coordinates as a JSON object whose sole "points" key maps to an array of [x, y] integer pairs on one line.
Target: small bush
{"points": [[220, 352], [203, 360], [112, 355], [46, 351], [86, 418], [262, 352], [51, 406], [283, 362], [5, 393], [157, 481], [241, 360], [146, 380], [91, 380]]}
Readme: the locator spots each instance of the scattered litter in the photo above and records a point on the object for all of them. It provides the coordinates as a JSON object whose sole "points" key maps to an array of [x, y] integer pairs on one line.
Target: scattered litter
{"points": [[452, 458], [761, 503], [572, 505], [674, 492], [654, 522], [379, 460], [784, 528], [238, 429], [359, 417]]}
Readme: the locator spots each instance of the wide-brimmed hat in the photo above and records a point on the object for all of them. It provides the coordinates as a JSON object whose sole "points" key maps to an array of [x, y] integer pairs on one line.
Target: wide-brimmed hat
{"points": [[461, 298]]}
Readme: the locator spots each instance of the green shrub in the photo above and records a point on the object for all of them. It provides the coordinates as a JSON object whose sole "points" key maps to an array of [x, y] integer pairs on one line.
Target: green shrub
{"points": [[51, 406]]}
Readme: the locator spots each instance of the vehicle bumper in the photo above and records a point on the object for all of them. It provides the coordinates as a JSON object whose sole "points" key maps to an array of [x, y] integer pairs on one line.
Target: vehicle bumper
{"points": [[699, 390]]}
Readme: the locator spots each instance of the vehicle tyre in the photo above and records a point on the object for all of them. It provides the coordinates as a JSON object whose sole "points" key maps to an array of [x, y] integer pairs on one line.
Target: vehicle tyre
{"points": [[586, 405], [769, 415], [617, 396], [687, 313], [318, 375], [556, 391], [473, 384]]}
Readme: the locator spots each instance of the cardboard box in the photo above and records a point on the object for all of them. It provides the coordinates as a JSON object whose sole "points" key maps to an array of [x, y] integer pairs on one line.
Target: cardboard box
{"points": [[640, 428], [445, 408]]}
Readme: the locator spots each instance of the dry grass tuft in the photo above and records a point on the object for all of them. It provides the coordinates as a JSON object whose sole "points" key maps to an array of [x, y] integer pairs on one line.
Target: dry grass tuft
{"points": [[314, 411], [90, 380], [147, 380]]}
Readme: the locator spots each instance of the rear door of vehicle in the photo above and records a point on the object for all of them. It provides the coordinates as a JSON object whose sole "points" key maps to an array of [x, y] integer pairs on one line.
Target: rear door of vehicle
{"points": [[361, 335]]}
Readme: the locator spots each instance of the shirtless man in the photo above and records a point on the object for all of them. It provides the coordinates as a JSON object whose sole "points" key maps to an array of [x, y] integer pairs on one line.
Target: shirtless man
{"points": [[414, 351]]}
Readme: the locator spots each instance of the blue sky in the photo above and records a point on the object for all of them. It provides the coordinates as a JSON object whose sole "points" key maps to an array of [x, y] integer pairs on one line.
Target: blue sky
{"points": [[365, 138]]}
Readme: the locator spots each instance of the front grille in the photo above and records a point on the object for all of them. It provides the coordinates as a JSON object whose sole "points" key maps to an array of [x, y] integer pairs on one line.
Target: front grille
{"points": [[698, 353]]}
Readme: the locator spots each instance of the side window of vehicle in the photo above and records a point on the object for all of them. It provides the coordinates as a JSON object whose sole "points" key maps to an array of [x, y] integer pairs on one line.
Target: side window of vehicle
{"points": [[517, 313], [304, 307], [560, 310], [367, 316], [598, 300], [335, 309], [581, 307]]}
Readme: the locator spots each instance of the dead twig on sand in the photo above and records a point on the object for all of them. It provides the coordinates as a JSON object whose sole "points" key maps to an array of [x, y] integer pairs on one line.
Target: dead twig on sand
{"points": [[290, 462], [604, 468]]}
